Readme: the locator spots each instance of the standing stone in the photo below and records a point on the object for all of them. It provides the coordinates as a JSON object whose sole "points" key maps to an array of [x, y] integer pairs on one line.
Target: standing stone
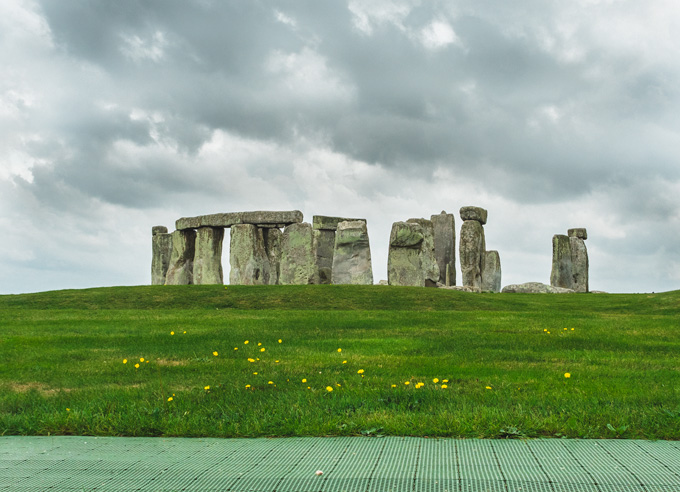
{"points": [[562, 272], [471, 249], [352, 254], [208, 257], [181, 267], [324, 240], [272, 245], [411, 259], [579, 263], [248, 256], [161, 250], [298, 258], [491, 276], [445, 247]]}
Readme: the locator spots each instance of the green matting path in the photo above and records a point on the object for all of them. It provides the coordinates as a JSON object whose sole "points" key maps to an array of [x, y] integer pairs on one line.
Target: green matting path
{"points": [[352, 464]]}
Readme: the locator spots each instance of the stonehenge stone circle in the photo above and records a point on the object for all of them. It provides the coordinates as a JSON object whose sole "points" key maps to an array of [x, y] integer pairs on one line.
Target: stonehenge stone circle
{"points": [[445, 247], [411, 260], [248, 256], [161, 250], [181, 267], [570, 261], [472, 246], [352, 254], [208, 256], [491, 275], [298, 257]]}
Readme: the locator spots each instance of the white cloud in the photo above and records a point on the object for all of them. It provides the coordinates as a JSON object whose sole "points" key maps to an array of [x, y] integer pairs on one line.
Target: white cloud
{"points": [[438, 34]]}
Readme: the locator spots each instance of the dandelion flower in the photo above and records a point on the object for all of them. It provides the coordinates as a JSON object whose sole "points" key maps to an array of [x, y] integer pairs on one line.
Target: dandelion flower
{"points": [[394, 385], [337, 384], [435, 380], [68, 409], [141, 359], [344, 362], [445, 380], [259, 343], [276, 361], [251, 360], [545, 329], [360, 371], [329, 388], [170, 398], [339, 350], [185, 332], [206, 388], [124, 361], [572, 329], [407, 383], [567, 375], [565, 329], [270, 382], [246, 342], [304, 380], [235, 348], [488, 387], [280, 341], [137, 366], [309, 387], [262, 349], [215, 354], [172, 332], [444, 386], [255, 373], [247, 386], [548, 333]]}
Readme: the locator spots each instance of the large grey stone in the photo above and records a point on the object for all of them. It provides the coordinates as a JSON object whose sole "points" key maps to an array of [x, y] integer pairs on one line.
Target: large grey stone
{"points": [[248, 256], [181, 267], [161, 251], [298, 258], [579, 264], [208, 256], [491, 275], [324, 245], [261, 218], [471, 249], [561, 273], [445, 246], [579, 232], [272, 245], [411, 260], [474, 213], [535, 288], [352, 254], [323, 222]]}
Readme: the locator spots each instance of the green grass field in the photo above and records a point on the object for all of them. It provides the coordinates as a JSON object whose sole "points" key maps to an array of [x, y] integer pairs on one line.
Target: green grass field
{"points": [[399, 361]]}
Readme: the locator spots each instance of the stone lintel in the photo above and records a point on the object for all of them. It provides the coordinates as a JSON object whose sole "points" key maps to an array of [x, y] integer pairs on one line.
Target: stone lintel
{"points": [[579, 232], [322, 222], [474, 213], [159, 230], [259, 218]]}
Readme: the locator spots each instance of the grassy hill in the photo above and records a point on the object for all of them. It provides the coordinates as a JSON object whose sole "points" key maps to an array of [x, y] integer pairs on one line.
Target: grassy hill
{"points": [[339, 360]]}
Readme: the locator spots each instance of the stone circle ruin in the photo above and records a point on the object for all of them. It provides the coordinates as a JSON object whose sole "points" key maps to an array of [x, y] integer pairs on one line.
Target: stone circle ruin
{"points": [[278, 248]]}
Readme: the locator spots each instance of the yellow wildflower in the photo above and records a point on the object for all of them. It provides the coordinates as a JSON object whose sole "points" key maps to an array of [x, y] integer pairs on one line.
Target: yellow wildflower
{"points": [[235, 348], [304, 380], [215, 354], [185, 332], [170, 398], [206, 388], [262, 349], [407, 382], [567, 375], [276, 361], [246, 342], [435, 380], [141, 359], [137, 366], [339, 350], [258, 344], [68, 409], [360, 371], [488, 387], [124, 361], [247, 386], [255, 373], [445, 380], [172, 332], [280, 341], [444, 386], [394, 385], [270, 382], [251, 360], [344, 362], [329, 388]]}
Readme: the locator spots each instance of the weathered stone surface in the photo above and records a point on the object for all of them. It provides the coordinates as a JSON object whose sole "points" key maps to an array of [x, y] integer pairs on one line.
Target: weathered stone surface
{"points": [[461, 288], [579, 232], [248, 256], [260, 218], [472, 247], [474, 213], [323, 222], [411, 259], [181, 267], [561, 274], [535, 288], [579, 264], [272, 245], [445, 246], [491, 275], [161, 251], [208, 256], [352, 254], [324, 245], [298, 258]]}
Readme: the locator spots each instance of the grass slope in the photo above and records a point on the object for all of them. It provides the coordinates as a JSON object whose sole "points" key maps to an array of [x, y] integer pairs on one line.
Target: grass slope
{"points": [[413, 361]]}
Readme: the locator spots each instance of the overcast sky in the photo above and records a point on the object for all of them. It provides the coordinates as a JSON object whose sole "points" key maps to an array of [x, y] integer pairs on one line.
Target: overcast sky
{"points": [[118, 116]]}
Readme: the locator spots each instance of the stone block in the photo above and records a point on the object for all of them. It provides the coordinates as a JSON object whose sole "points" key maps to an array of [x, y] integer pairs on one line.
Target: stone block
{"points": [[474, 213], [323, 222], [472, 249], [411, 260], [445, 247], [561, 273], [324, 245], [248, 256], [208, 256], [579, 232], [161, 251], [260, 218], [405, 235], [159, 230], [579, 264], [535, 288], [272, 245], [298, 257], [181, 266], [352, 254], [491, 275]]}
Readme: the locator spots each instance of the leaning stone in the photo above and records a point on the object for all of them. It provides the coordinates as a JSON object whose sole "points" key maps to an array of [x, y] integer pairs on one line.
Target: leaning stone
{"points": [[445, 246], [208, 257], [298, 258], [322, 222], [248, 257], [491, 275], [229, 219], [535, 288], [272, 245], [181, 266], [161, 251], [352, 254], [561, 273], [474, 213], [324, 244], [579, 264], [579, 232], [471, 249]]}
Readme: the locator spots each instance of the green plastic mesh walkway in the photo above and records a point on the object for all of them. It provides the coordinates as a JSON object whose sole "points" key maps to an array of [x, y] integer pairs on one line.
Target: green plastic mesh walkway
{"points": [[349, 464]]}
